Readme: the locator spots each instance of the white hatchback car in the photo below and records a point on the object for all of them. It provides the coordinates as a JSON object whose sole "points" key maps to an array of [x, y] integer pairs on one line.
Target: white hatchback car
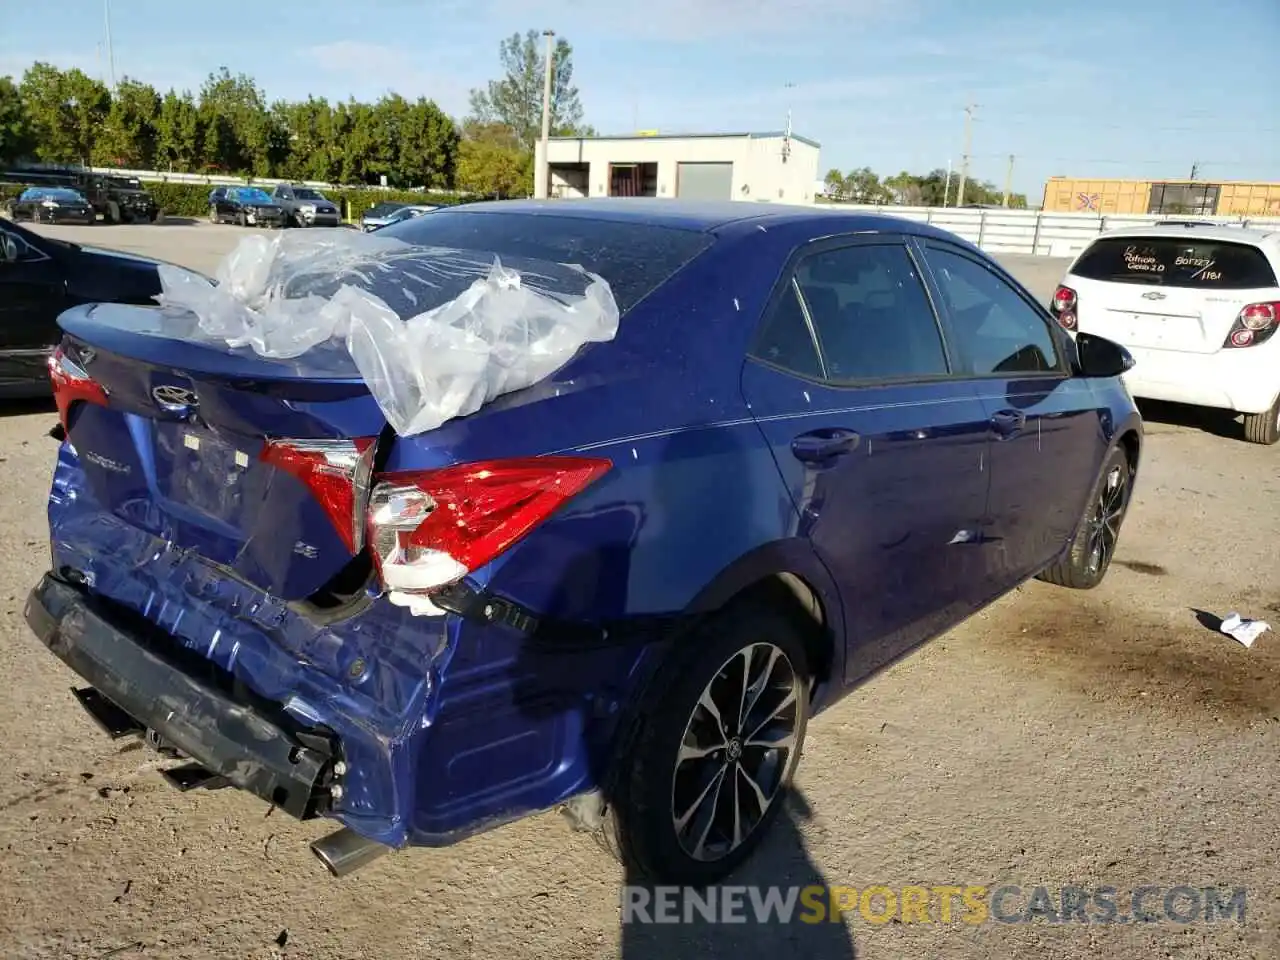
{"points": [[1198, 306]]}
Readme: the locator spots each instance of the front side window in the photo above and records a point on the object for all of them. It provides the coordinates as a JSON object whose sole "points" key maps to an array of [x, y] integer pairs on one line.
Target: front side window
{"points": [[996, 329], [871, 314]]}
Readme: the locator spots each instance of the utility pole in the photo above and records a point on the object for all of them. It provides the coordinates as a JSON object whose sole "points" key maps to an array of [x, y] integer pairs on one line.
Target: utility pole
{"points": [[968, 149], [946, 185], [1195, 168], [1008, 182], [543, 186], [111, 57]]}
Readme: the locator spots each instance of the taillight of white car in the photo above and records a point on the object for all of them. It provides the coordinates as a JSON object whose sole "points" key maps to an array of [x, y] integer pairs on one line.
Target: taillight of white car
{"points": [[1066, 307], [1255, 324]]}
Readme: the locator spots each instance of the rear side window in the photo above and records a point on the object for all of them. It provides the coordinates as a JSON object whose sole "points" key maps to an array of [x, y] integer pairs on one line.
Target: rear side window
{"points": [[635, 258], [1175, 262]]}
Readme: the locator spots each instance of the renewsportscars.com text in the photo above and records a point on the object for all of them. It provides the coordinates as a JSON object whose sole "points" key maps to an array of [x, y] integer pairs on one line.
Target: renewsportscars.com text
{"points": [[971, 904]]}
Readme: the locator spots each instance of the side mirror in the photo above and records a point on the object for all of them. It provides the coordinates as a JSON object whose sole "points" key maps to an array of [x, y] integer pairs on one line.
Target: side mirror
{"points": [[1100, 357], [8, 249]]}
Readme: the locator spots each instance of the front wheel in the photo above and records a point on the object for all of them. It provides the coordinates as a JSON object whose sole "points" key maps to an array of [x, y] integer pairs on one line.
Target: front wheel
{"points": [[716, 743], [1094, 543], [1263, 427]]}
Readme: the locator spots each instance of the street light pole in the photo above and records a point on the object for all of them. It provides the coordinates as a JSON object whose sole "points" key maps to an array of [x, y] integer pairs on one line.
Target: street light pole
{"points": [[543, 187], [111, 57]]}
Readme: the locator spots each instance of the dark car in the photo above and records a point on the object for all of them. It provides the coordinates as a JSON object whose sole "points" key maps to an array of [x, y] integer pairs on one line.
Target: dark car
{"points": [[379, 214], [39, 278], [247, 206], [817, 441], [306, 207], [118, 199], [51, 205]]}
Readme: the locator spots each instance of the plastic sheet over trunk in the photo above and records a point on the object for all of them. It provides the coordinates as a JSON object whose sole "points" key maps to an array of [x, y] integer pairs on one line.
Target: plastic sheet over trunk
{"points": [[435, 333]]}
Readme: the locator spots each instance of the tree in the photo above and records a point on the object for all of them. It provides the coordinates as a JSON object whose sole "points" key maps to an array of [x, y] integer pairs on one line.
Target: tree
{"points": [[834, 182], [863, 186], [238, 132], [15, 133], [179, 135], [516, 99], [493, 162], [129, 134], [65, 110]]}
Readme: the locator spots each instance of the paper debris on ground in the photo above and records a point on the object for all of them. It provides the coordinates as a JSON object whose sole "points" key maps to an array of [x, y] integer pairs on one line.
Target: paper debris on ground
{"points": [[1245, 631]]}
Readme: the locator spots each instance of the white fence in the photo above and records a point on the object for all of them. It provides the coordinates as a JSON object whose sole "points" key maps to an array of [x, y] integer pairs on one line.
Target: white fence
{"points": [[1031, 231]]}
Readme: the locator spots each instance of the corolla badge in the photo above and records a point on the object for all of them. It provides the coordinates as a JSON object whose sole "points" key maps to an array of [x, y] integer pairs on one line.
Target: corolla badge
{"points": [[174, 399]]}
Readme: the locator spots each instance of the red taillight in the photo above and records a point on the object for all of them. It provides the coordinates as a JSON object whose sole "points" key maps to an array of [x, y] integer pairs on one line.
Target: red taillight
{"points": [[71, 384], [1065, 302], [1256, 323], [430, 528], [337, 474]]}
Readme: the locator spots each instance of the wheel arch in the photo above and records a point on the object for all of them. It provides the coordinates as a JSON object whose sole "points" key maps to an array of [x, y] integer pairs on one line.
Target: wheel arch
{"points": [[791, 574]]}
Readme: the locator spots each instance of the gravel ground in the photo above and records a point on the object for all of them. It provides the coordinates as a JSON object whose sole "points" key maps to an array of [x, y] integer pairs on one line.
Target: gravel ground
{"points": [[1058, 738]]}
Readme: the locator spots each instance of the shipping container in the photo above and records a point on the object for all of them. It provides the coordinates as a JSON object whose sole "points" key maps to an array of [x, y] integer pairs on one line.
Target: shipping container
{"points": [[1171, 197]]}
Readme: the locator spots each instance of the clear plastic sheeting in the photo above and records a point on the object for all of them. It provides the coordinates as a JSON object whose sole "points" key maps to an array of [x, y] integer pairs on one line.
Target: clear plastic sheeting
{"points": [[435, 333]]}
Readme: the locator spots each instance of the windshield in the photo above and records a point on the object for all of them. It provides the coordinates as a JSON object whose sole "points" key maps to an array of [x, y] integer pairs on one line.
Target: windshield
{"points": [[250, 195], [384, 209], [1176, 262], [635, 258], [306, 193], [52, 193]]}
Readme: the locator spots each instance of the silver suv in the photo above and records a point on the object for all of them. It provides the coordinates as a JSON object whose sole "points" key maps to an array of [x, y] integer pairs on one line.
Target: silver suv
{"points": [[306, 206]]}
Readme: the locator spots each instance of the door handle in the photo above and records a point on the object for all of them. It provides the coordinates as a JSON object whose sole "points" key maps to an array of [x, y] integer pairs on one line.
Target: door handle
{"points": [[1008, 423], [821, 445]]}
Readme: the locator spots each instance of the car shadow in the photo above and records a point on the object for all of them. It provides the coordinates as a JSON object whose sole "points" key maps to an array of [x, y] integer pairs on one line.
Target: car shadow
{"points": [[782, 865], [169, 221], [1219, 423], [27, 406]]}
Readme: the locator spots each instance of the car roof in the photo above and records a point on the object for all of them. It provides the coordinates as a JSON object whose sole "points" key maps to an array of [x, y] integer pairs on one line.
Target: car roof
{"points": [[1219, 232], [697, 215]]}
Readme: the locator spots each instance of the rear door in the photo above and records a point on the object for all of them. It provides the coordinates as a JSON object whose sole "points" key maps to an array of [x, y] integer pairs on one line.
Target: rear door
{"points": [[1047, 438], [32, 292], [1168, 293], [880, 444]]}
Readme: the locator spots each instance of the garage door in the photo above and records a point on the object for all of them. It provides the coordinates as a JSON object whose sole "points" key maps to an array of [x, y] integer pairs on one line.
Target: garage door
{"points": [[704, 181]]}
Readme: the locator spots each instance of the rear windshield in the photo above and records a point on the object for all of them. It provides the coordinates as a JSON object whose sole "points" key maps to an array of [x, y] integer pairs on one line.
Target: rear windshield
{"points": [[1174, 262], [635, 258]]}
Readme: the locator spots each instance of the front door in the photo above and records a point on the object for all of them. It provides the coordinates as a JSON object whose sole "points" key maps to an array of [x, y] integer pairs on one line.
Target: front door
{"points": [[882, 448], [1047, 433], [31, 297]]}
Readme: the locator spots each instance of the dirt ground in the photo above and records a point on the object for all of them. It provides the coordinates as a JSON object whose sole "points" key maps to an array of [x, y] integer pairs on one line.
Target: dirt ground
{"points": [[1101, 738]]}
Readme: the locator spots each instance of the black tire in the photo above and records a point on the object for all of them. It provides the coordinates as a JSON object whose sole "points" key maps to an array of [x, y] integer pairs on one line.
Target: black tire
{"points": [[243, 219], [1094, 544], [652, 780], [113, 212], [213, 214], [1263, 428]]}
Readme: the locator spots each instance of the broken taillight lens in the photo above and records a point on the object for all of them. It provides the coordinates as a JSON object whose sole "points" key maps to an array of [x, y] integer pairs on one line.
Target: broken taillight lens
{"points": [[430, 528], [336, 472], [72, 384]]}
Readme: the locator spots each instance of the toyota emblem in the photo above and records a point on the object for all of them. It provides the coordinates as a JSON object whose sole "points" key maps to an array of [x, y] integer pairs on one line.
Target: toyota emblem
{"points": [[174, 399]]}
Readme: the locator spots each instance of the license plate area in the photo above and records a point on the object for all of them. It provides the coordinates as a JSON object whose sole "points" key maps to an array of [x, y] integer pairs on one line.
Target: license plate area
{"points": [[199, 470]]}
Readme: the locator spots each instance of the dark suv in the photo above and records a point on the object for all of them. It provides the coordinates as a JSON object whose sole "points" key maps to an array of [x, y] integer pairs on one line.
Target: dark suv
{"points": [[117, 199]]}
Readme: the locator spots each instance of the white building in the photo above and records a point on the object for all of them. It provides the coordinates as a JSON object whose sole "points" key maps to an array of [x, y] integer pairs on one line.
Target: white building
{"points": [[767, 167]]}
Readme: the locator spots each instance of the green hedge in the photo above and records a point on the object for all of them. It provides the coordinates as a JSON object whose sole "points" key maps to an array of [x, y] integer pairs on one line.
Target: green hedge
{"points": [[192, 199]]}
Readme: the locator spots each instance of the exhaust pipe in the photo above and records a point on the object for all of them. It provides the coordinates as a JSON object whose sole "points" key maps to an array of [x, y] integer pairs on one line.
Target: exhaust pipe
{"points": [[344, 851]]}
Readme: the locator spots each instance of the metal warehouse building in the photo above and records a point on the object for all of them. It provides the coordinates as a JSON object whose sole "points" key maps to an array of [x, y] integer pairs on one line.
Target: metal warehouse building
{"points": [[1170, 197], [767, 167]]}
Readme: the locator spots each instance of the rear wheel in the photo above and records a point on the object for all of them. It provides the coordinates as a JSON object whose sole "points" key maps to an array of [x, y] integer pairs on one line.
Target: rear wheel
{"points": [[717, 741], [213, 214], [243, 220], [1264, 427], [1095, 539]]}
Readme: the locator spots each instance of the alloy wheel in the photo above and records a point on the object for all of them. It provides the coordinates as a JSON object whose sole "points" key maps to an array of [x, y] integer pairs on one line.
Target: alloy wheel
{"points": [[738, 746], [1104, 525]]}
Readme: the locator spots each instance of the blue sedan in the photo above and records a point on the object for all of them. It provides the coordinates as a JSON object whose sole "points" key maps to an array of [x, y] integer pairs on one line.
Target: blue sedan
{"points": [[817, 441]]}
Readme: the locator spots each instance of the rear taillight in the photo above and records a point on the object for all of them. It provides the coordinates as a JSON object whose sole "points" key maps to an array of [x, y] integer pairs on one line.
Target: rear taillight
{"points": [[1065, 307], [336, 472], [72, 384], [430, 528], [1255, 324]]}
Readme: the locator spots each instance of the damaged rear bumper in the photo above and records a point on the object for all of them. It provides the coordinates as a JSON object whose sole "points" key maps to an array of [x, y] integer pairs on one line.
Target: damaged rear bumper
{"points": [[243, 743]]}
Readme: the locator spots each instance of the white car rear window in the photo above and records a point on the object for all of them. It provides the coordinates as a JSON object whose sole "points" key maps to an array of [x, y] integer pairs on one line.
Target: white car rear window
{"points": [[1175, 262]]}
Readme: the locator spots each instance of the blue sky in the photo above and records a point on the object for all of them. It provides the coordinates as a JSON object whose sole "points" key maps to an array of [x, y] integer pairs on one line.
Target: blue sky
{"points": [[1092, 88]]}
